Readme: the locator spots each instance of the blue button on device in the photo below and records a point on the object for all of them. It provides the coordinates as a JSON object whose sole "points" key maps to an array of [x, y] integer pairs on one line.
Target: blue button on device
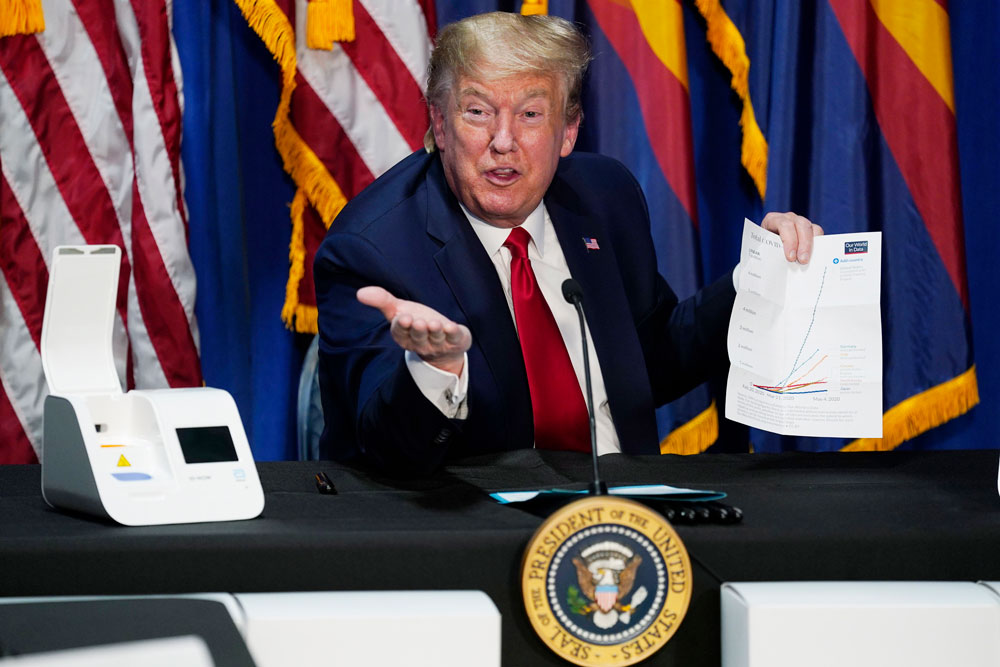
{"points": [[131, 476]]}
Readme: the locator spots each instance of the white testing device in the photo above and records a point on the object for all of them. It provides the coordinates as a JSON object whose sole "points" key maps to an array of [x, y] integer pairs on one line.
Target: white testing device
{"points": [[141, 457]]}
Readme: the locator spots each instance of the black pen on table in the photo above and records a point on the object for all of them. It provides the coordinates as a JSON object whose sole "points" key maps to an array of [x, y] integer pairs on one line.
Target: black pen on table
{"points": [[324, 485]]}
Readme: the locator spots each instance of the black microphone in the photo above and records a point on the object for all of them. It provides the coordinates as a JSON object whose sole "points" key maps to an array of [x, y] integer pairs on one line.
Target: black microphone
{"points": [[573, 294]]}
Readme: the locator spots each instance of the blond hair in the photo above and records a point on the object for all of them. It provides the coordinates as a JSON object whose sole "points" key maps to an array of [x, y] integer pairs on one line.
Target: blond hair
{"points": [[501, 44]]}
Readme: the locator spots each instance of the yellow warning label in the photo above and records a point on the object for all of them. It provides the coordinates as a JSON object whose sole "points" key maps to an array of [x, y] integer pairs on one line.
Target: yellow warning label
{"points": [[123, 462]]}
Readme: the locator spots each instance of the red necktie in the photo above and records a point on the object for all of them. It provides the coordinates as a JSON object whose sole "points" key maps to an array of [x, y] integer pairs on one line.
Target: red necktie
{"points": [[561, 420]]}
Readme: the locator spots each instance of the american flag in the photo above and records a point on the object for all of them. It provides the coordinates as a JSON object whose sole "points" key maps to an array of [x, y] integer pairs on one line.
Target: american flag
{"points": [[90, 127], [346, 113], [591, 243]]}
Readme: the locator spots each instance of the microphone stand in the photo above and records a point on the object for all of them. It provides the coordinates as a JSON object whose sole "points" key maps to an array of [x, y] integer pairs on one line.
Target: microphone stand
{"points": [[573, 293]]}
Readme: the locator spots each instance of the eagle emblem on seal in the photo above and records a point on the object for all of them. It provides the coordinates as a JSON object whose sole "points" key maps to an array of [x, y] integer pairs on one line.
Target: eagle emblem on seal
{"points": [[606, 574]]}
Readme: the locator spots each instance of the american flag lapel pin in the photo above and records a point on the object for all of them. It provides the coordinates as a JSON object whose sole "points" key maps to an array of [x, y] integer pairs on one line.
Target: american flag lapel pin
{"points": [[591, 243]]}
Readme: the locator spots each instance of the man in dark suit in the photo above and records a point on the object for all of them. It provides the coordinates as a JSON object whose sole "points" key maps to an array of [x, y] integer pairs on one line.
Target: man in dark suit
{"points": [[442, 331]]}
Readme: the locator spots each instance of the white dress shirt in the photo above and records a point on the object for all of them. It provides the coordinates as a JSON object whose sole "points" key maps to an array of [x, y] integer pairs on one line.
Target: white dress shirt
{"points": [[448, 391]]}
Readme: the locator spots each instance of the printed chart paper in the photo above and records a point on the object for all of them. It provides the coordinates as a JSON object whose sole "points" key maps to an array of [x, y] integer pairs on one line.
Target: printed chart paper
{"points": [[805, 341]]}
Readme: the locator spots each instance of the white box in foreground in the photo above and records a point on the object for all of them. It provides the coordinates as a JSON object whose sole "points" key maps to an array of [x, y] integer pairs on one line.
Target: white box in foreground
{"points": [[390, 628], [862, 624]]}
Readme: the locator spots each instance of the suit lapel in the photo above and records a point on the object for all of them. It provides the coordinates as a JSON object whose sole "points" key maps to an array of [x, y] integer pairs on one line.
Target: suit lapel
{"points": [[472, 278]]}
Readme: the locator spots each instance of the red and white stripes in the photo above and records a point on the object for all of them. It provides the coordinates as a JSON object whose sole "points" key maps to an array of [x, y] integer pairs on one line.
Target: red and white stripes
{"points": [[354, 111], [90, 121], [360, 106]]}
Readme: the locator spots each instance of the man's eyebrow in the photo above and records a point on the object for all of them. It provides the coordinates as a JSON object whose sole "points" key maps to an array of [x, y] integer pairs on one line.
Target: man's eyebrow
{"points": [[471, 91], [475, 92], [537, 92]]}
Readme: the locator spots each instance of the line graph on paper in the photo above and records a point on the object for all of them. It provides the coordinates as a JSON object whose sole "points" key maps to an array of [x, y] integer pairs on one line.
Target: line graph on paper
{"points": [[815, 379]]}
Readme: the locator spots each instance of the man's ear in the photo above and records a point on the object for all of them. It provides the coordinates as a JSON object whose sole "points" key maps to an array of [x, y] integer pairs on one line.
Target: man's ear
{"points": [[570, 133], [437, 126]]}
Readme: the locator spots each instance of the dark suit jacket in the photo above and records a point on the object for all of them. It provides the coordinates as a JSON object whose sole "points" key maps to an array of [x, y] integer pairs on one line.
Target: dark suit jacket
{"points": [[407, 233]]}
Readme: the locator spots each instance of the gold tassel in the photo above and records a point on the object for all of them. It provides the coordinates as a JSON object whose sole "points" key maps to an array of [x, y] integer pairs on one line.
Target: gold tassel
{"points": [[922, 412], [297, 316], [21, 17], [306, 169], [306, 319], [318, 187], [329, 21], [695, 436], [296, 261], [728, 45], [532, 7]]}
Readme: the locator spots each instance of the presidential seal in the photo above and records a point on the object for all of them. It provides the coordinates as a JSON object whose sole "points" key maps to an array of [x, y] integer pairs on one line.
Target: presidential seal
{"points": [[606, 581]]}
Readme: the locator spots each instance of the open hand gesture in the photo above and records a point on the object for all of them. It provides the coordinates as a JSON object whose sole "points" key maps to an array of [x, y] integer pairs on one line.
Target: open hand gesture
{"points": [[422, 330]]}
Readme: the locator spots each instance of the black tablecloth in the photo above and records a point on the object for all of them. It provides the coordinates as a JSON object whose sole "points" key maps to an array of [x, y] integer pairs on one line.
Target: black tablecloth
{"points": [[864, 516]]}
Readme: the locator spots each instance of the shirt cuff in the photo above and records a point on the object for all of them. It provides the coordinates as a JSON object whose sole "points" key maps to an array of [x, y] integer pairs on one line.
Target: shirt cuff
{"points": [[445, 390], [736, 277]]}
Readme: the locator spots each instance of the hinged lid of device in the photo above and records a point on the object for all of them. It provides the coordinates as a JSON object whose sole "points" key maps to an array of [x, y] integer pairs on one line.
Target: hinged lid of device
{"points": [[77, 353]]}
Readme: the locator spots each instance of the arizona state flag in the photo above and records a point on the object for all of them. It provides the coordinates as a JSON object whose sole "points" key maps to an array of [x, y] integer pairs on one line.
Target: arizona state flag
{"points": [[849, 119]]}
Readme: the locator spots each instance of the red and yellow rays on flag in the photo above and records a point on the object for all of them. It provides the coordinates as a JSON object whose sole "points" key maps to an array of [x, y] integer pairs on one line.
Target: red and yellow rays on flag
{"points": [[648, 35], [904, 49], [348, 110], [915, 106]]}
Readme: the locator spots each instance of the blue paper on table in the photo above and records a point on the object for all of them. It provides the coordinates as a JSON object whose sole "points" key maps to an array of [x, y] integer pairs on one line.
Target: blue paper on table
{"points": [[648, 491]]}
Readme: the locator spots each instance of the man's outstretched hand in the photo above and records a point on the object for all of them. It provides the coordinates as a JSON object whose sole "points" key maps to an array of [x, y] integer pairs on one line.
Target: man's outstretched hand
{"points": [[422, 330]]}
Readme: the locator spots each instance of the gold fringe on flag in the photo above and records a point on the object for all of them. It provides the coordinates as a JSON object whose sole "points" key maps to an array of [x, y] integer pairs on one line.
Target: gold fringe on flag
{"points": [[305, 168], [695, 436], [329, 21], [922, 412], [532, 7], [727, 43], [21, 17], [303, 315]]}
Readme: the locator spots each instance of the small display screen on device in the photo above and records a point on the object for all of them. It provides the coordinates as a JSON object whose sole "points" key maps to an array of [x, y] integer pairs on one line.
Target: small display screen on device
{"points": [[207, 444]]}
